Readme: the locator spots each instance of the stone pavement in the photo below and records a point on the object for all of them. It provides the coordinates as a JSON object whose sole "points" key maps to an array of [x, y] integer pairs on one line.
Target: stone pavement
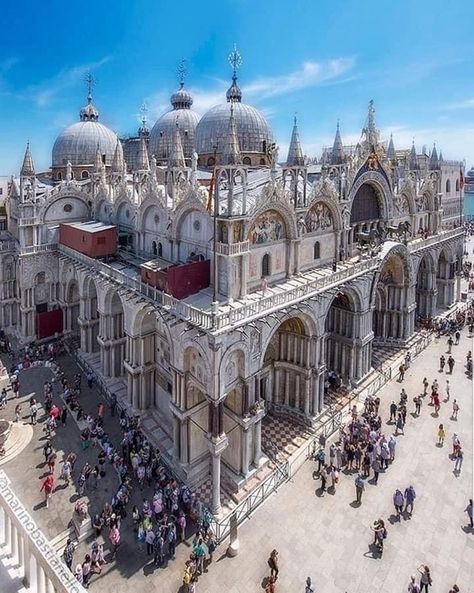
{"points": [[322, 536]]}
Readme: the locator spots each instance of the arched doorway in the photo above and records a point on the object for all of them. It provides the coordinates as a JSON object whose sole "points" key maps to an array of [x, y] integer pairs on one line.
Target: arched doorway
{"points": [[426, 290], [394, 307], [112, 338], [366, 212], [89, 318], [286, 380], [445, 279], [72, 308], [347, 349]]}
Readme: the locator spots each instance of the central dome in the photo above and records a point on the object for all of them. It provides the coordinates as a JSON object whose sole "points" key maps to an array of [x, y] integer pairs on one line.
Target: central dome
{"points": [[253, 132]]}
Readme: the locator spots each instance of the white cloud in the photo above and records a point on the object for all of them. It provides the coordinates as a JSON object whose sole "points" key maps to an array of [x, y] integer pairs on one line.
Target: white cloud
{"points": [[45, 92], [309, 75], [466, 104]]}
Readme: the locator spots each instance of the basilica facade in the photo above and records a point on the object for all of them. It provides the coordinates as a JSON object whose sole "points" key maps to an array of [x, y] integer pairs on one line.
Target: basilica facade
{"points": [[313, 265]]}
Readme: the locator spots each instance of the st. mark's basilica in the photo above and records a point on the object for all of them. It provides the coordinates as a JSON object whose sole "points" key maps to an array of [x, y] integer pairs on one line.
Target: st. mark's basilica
{"points": [[241, 286]]}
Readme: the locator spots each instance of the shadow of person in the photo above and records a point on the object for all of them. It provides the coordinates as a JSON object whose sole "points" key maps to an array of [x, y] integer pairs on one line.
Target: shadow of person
{"points": [[394, 519], [354, 504], [265, 582]]}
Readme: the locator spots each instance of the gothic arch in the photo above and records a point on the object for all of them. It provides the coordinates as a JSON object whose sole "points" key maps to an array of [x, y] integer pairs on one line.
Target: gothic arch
{"points": [[143, 213], [121, 207], [333, 208], [399, 252], [239, 346], [381, 188], [65, 206], [184, 208], [287, 215]]}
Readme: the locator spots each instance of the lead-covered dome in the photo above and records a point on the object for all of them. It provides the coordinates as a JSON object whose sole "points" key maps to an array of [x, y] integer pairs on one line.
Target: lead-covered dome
{"points": [[162, 132], [78, 143]]}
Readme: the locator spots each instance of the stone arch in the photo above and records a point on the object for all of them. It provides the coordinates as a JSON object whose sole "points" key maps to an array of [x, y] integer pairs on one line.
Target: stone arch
{"points": [[104, 210], [269, 227], [89, 315], [112, 336], [184, 208], [381, 187], [64, 207], [125, 213], [425, 289], [446, 276]]}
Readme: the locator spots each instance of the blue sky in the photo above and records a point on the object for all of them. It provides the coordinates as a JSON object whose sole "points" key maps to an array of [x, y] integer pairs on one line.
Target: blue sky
{"points": [[322, 60]]}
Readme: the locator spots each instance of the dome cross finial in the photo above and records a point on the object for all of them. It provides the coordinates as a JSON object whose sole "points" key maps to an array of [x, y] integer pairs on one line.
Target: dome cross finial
{"points": [[235, 60], [182, 72], [90, 83]]}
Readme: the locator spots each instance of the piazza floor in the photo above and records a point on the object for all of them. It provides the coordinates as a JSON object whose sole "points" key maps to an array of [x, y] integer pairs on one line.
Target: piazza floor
{"points": [[325, 537]]}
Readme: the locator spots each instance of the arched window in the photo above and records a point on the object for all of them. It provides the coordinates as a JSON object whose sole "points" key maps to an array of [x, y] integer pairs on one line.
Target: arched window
{"points": [[448, 186], [266, 265], [211, 161], [316, 251], [247, 160], [60, 176], [85, 175], [160, 250], [154, 248], [457, 184]]}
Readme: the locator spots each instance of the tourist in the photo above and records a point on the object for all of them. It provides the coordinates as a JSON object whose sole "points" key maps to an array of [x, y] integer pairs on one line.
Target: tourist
{"points": [[68, 554], [149, 539], [334, 477], [401, 371], [377, 468], [469, 512], [398, 502], [211, 546], [78, 574], [451, 364], [456, 444], [392, 443], [171, 539], [33, 410], [86, 571], [425, 579], [199, 553], [450, 344], [64, 416], [393, 411], [447, 390], [320, 458], [323, 476], [459, 457], [360, 487], [380, 533], [48, 486], [454, 415], [407, 360], [114, 538], [425, 386], [417, 401], [309, 588], [47, 450], [17, 412], [273, 564], [270, 586], [454, 589], [413, 586], [410, 496], [457, 335], [442, 362], [400, 426], [441, 435]]}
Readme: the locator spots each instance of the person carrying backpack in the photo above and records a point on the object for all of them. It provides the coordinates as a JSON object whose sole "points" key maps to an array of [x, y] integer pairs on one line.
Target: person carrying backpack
{"points": [[410, 496]]}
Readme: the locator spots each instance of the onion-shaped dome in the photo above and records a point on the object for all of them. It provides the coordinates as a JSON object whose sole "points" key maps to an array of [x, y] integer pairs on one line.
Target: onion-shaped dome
{"points": [[162, 132], [78, 143]]}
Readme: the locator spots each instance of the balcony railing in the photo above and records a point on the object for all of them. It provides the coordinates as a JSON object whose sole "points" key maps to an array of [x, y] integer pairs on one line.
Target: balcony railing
{"points": [[246, 311], [233, 248], [38, 248], [27, 221]]}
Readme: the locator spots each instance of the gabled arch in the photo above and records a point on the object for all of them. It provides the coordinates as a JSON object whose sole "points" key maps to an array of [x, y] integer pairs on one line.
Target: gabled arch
{"points": [[122, 205], [143, 211], [378, 182], [287, 214], [331, 205], [183, 209]]}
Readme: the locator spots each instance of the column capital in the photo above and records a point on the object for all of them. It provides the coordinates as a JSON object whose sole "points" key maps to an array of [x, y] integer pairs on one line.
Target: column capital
{"points": [[218, 444]]}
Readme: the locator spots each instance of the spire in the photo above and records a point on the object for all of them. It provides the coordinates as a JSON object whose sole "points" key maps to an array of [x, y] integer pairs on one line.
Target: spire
{"points": [[27, 169], [98, 159], [118, 160], [176, 157], [234, 94], [440, 159], [337, 155], [143, 164], [413, 161], [231, 154], [295, 153], [434, 161], [391, 155], [370, 131]]}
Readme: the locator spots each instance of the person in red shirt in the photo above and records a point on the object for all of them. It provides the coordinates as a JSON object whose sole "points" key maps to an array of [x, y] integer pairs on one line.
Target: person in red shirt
{"points": [[48, 486]]}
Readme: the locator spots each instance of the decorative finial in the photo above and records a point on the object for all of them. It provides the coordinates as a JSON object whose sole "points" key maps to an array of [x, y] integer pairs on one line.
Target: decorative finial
{"points": [[235, 60], [90, 83], [144, 113], [182, 72]]}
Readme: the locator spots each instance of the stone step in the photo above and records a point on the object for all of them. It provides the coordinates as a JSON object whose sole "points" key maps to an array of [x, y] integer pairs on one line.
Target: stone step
{"points": [[19, 438]]}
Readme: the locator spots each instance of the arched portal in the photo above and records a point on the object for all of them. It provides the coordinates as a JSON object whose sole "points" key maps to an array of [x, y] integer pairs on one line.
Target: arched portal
{"points": [[112, 338], [393, 316], [366, 211], [71, 311], [347, 352], [445, 279], [286, 380], [89, 318], [426, 290]]}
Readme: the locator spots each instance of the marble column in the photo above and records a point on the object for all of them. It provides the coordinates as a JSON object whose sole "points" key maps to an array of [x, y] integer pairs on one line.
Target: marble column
{"points": [[258, 443], [216, 483], [40, 579], [245, 451]]}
